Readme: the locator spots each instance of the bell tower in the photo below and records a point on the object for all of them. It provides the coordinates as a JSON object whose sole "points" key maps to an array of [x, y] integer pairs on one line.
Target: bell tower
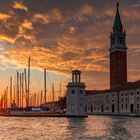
{"points": [[118, 53]]}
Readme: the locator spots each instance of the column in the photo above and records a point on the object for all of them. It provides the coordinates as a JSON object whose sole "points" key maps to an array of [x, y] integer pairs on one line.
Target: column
{"points": [[79, 78], [72, 78], [76, 78]]}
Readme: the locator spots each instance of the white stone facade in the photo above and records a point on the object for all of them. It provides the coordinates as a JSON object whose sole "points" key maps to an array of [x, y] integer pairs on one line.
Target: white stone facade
{"points": [[124, 102], [75, 97]]}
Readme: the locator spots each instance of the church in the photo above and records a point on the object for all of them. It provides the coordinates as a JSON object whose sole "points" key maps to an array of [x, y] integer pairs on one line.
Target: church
{"points": [[123, 97]]}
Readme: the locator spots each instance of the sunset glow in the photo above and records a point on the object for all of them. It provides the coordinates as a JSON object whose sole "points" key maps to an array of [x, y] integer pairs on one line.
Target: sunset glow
{"points": [[69, 69], [64, 36]]}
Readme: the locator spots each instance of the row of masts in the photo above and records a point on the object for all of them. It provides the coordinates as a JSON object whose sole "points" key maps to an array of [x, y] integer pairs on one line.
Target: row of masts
{"points": [[20, 91]]}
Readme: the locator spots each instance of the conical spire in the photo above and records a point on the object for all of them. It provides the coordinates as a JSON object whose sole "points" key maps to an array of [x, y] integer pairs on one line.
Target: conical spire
{"points": [[117, 22]]}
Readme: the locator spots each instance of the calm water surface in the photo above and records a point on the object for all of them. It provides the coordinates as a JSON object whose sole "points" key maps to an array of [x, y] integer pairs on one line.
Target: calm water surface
{"points": [[91, 128]]}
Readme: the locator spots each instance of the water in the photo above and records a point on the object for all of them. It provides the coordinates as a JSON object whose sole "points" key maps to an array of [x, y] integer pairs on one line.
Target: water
{"points": [[91, 128]]}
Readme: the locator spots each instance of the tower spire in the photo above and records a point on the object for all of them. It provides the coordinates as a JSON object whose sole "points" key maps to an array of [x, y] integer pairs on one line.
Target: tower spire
{"points": [[117, 21], [118, 53]]}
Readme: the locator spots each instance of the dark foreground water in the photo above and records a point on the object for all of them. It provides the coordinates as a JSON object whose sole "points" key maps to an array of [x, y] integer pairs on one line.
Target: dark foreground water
{"points": [[91, 128]]}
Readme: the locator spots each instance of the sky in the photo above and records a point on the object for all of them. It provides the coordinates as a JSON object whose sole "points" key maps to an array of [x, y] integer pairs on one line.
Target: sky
{"points": [[63, 35]]}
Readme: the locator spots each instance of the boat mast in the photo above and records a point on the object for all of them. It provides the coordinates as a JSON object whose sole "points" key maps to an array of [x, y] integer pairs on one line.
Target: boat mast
{"points": [[25, 88], [28, 82], [53, 92], [22, 87], [14, 90], [41, 98], [45, 85], [17, 89], [10, 91], [6, 98], [60, 91], [38, 99]]}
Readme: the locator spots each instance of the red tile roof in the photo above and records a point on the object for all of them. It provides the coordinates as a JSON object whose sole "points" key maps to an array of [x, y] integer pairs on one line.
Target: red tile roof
{"points": [[128, 86]]}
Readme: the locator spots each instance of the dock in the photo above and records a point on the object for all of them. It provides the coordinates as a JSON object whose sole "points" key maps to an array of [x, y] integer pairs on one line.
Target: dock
{"points": [[40, 114]]}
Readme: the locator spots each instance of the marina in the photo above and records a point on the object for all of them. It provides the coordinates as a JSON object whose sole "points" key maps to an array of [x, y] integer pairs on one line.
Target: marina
{"points": [[19, 102]]}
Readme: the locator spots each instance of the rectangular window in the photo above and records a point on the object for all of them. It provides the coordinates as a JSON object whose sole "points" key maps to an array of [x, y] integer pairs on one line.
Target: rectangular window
{"points": [[126, 106], [138, 106], [122, 106], [73, 91], [85, 108], [91, 108]]}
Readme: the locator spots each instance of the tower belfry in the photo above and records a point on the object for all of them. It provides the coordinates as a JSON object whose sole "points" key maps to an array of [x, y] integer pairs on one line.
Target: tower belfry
{"points": [[118, 53], [76, 76]]}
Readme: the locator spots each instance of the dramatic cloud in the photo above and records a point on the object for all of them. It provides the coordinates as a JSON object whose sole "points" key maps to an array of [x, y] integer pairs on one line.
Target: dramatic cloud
{"points": [[4, 16], [65, 35], [18, 5], [41, 18], [8, 39]]}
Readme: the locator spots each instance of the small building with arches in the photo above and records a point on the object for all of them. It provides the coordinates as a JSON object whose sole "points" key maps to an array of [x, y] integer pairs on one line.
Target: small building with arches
{"points": [[75, 98]]}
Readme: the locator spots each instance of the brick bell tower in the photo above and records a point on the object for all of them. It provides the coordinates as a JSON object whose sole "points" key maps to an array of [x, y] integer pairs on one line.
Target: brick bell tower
{"points": [[118, 53]]}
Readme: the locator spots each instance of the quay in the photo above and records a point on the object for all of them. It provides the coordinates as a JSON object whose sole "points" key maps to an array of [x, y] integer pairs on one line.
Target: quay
{"points": [[31, 114]]}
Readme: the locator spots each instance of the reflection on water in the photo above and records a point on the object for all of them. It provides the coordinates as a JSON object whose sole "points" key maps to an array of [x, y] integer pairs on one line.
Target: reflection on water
{"points": [[118, 129], [91, 128]]}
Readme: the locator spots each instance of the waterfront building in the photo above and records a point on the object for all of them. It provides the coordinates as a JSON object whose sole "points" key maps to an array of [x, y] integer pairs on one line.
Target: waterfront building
{"points": [[123, 100], [75, 98], [123, 97]]}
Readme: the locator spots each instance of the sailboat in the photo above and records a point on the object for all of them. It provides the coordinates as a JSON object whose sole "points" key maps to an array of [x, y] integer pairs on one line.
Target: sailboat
{"points": [[29, 111]]}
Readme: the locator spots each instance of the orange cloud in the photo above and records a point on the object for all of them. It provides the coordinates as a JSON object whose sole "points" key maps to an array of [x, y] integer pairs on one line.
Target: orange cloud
{"points": [[72, 30], [55, 15], [4, 16], [18, 5], [76, 36], [7, 38], [59, 60], [87, 9], [25, 25], [44, 18]]}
